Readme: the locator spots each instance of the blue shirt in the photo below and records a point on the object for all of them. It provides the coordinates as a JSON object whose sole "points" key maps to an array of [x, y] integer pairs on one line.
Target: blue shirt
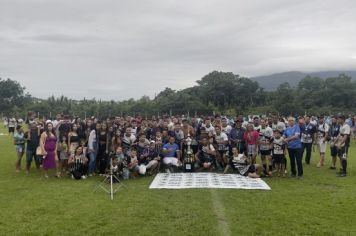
{"points": [[19, 139], [291, 131], [307, 131], [172, 148]]}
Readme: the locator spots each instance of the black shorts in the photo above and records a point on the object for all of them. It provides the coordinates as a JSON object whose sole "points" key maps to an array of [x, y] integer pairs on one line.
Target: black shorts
{"points": [[342, 151], [333, 151], [265, 152], [11, 129], [279, 158], [251, 169]]}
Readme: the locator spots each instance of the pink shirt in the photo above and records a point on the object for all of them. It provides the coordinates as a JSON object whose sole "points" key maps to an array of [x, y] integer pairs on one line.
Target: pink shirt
{"points": [[251, 137]]}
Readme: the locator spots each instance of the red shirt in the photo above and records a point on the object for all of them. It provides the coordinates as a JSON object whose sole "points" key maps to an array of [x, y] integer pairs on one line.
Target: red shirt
{"points": [[251, 137]]}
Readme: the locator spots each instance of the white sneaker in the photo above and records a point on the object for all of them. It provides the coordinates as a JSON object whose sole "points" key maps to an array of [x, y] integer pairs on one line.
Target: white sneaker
{"points": [[84, 177], [72, 176]]}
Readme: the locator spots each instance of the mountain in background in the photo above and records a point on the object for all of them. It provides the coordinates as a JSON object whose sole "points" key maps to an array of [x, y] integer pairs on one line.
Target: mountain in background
{"points": [[271, 82]]}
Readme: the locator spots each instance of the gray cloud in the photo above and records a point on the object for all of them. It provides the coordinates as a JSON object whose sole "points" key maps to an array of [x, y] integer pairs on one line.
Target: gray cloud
{"points": [[120, 49]]}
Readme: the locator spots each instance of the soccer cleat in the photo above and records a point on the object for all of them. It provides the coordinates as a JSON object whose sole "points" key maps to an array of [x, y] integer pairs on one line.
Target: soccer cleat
{"points": [[342, 175]]}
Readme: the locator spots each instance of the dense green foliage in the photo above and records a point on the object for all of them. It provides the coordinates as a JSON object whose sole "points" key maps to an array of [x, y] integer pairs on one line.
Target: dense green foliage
{"points": [[219, 92]]}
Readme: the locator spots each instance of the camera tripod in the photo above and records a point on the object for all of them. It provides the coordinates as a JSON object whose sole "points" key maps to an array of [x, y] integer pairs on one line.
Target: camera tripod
{"points": [[109, 178]]}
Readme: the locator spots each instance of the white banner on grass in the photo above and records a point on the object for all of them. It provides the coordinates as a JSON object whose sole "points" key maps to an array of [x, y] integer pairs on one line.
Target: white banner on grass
{"points": [[206, 180]]}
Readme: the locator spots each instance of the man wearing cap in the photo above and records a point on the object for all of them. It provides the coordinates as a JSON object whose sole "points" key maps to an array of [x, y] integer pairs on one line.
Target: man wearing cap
{"points": [[236, 136]]}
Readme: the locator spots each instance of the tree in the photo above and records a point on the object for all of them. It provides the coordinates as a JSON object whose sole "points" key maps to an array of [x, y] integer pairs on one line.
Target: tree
{"points": [[12, 95], [284, 100]]}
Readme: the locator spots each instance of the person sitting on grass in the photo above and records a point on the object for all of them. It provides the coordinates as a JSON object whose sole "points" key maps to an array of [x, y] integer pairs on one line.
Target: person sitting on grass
{"points": [[149, 159], [171, 155], [120, 159], [77, 163], [133, 162], [206, 155], [240, 163]]}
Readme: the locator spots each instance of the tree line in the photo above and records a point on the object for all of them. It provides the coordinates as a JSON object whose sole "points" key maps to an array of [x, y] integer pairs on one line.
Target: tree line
{"points": [[216, 92]]}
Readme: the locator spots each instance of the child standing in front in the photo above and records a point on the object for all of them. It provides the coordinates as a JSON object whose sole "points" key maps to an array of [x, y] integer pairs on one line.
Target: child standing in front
{"points": [[279, 148], [64, 154]]}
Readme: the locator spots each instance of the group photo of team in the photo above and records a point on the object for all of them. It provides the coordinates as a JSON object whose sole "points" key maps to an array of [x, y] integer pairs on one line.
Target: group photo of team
{"points": [[193, 118], [251, 146]]}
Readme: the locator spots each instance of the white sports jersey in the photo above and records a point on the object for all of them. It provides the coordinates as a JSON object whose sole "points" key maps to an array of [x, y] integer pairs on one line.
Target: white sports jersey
{"points": [[323, 129], [226, 129], [257, 127], [278, 145], [265, 136], [221, 137], [345, 129]]}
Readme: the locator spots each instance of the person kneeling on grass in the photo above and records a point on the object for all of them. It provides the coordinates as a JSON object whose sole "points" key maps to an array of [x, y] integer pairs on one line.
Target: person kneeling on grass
{"points": [[77, 163], [121, 161], [149, 159], [171, 155], [240, 163], [206, 155]]}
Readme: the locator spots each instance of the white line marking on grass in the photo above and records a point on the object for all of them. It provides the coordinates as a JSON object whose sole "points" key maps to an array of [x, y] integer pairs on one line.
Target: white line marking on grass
{"points": [[218, 208]]}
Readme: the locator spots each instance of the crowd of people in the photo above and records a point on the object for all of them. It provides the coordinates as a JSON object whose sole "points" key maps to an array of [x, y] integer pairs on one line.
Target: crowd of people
{"points": [[133, 146]]}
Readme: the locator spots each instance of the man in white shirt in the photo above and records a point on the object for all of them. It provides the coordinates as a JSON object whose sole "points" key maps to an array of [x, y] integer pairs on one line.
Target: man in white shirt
{"points": [[225, 127], [209, 128], [57, 120], [129, 137], [342, 144], [222, 141], [11, 125], [322, 134], [256, 124], [264, 144]]}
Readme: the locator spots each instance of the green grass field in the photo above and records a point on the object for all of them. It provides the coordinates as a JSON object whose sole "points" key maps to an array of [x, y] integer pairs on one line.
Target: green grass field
{"points": [[320, 204]]}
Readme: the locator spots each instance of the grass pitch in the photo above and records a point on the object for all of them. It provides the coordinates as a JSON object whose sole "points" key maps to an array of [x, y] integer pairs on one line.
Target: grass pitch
{"points": [[320, 204]]}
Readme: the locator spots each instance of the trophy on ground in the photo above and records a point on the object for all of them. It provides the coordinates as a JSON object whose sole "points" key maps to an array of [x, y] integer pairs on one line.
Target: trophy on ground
{"points": [[189, 158]]}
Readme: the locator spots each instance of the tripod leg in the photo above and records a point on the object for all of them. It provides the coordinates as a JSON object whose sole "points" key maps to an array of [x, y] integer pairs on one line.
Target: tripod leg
{"points": [[111, 190]]}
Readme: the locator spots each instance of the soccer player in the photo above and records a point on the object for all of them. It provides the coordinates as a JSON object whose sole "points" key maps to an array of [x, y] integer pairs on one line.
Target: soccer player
{"points": [[333, 133], [342, 143], [322, 135], [308, 132], [264, 144]]}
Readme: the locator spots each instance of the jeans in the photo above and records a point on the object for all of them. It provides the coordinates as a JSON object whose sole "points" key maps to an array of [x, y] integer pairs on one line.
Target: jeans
{"points": [[308, 147], [31, 154], [295, 156]]}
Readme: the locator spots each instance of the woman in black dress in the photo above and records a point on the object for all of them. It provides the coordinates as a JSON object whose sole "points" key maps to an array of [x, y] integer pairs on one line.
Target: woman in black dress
{"points": [[103, 150]]}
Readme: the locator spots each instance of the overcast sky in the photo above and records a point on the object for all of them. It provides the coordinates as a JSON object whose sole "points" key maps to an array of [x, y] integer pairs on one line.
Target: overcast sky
{"points": [[113, 49]]}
